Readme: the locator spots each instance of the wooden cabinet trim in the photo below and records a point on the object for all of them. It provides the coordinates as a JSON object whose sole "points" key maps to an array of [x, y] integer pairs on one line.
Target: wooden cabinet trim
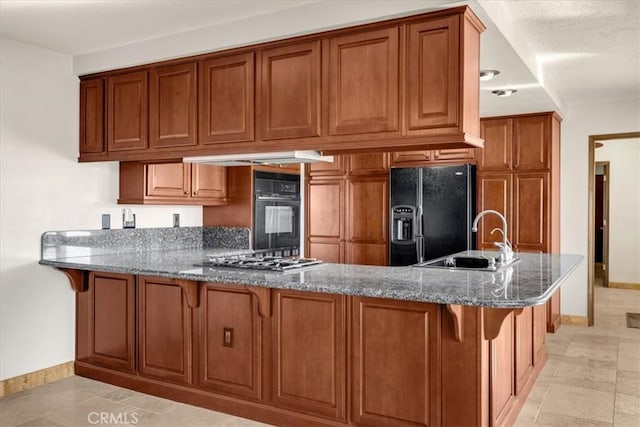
{"points": [[92, 129]]}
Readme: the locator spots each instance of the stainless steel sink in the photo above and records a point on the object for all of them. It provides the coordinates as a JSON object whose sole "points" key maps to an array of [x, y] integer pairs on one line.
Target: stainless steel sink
{"points": [[467, 263]]}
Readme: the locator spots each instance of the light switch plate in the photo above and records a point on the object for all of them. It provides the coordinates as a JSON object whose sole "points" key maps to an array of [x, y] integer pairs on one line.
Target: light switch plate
{"points": [[106, 221]]}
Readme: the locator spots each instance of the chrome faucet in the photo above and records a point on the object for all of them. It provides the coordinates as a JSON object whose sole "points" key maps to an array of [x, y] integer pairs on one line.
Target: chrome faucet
{"points": [[506, 251]]}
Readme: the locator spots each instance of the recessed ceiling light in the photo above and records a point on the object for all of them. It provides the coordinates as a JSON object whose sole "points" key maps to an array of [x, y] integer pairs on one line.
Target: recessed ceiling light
{"points": [[504, 92], [486, 75]]}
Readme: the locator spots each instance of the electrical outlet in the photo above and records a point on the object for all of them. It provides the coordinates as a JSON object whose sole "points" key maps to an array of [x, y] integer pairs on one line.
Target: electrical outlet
{"points": [[106, 221], [176, 220]]}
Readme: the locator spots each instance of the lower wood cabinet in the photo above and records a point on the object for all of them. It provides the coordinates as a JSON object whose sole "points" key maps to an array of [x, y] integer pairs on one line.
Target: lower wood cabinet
{"points": [[164, 329], [502, 373], [309, 352], [539, 334], [106, 327], [228, 333], [394, 350], [524, 347]]}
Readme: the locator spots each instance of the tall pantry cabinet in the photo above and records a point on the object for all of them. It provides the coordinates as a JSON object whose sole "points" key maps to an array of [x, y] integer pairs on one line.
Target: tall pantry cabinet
{"points": [[519, 176]]}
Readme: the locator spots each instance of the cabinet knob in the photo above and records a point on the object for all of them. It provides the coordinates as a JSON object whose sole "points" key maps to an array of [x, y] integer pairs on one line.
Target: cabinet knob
{"points": [[186, 192], [195, 193]]}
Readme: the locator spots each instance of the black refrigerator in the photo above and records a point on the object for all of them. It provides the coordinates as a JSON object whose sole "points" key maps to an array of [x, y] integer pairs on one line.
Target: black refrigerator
{"points": [[432, 210]]}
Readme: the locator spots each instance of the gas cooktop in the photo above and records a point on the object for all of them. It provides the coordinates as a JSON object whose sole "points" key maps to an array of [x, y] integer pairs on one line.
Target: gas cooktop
{"points": [[270, 263]]}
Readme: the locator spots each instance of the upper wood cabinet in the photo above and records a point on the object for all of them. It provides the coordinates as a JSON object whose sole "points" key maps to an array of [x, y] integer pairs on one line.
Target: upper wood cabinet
{"points": [[363, 82], [367, 164], [91, 116], [433, 157], [494, 192], [290, 91], [335, 168], [433, 71], [172, 184], [532, 142], [127, 111], [173, 103], [497, 153], [226, 99]]}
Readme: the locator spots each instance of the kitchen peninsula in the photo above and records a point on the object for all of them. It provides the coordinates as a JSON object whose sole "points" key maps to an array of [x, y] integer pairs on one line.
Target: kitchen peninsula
{"points": [[330, 345]]}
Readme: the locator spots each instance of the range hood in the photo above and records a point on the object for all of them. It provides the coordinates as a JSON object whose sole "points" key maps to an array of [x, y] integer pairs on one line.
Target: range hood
{"points": [[248, 159]]}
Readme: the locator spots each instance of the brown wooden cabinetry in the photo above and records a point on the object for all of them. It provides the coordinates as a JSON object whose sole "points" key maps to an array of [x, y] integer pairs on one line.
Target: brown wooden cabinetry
{"points": [[523, 327], [519, 176], [539, 334], [433, 157], [172, 183], [91, 116], [164, 330], [363, 82], [309, 352], [107, 330], [347, 210], [503, 372], [127, 111], [173, 103], [226, 99], [229, 341], [394, 351], [289, 91]]}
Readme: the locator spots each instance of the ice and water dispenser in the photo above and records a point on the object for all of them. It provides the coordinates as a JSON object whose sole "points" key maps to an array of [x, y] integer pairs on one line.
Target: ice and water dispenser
{"points": [[403, 223]]}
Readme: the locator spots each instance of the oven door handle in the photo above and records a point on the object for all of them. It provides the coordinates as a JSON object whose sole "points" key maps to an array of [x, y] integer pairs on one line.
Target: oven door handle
{"points": [[277, 199]]}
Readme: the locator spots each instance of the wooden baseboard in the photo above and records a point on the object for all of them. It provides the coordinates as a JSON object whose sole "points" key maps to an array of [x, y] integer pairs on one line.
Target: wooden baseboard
{"points": [[35, 379], [623, 285], [566, 319]]}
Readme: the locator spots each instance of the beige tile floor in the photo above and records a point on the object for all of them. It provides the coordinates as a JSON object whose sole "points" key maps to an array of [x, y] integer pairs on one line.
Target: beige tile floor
{"points": [[592, 378]]}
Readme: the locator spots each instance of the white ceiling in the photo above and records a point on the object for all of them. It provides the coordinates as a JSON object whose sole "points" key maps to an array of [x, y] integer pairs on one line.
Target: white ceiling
{"points": [[556, 53]]}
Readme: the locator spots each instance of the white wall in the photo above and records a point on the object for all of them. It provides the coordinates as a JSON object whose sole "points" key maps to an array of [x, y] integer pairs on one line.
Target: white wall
{"points": [[42, 187], [581, 121], [624, 208]]}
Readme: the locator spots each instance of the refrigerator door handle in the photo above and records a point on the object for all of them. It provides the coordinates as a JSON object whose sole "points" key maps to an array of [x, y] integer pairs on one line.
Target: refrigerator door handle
{"points": [[419, 235], [420, 249]]}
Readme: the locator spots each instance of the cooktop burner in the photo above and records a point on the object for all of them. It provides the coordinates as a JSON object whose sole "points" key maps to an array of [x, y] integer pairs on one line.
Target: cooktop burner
{"points": [[270, 263]]}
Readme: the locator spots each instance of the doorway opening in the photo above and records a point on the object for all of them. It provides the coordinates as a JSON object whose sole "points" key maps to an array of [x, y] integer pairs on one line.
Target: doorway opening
{"points": [[601, 230], [593, 140]]}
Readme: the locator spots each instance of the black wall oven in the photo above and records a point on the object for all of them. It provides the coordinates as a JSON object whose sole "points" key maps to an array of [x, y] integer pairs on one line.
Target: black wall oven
{"points": [[276, 216]]}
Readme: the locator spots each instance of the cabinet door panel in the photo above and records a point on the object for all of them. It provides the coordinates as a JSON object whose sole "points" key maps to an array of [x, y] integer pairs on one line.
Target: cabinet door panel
{"points": [[532, 138], [539, 333], [410, 158], [230, 363], [367, 164], [433, 81], [164, 329], [127, 111], [325, 201], [494, 192], [111, 321], [335, 168], [524, 347], [367, 254], [530, 211], [454, 154], [227, 99], [394, 353], [208, 181], [290, 91], [363, 80], [497, 152], [367, 210], [168, 180], [173, 103], [502, 356], [326, 251], [309, 352], [92, 116]]}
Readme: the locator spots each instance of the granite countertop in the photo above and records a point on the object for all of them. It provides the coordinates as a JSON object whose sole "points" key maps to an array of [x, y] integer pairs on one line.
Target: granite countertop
{"points": [[527, 283]]}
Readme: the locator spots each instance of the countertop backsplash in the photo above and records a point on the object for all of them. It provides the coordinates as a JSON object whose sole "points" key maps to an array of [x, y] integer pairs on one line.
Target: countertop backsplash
{"points": [[78, 243]]}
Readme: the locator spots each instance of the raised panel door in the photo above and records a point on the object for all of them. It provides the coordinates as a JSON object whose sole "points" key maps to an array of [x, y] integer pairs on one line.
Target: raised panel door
{"points": [[363, 82], [173, 103], [367, 209], [524, 347], [326, 251], [497, 154], [454, 154], [395, 348], [532, 140], [367, 254], [494, 192], [368, 164], [127, 111], [290, 91], [530, 211], [208, 182], [227, 99], [229, 341], [539, 333], [164, 329], [111, 321], [325, 201], [168, 180], [502, 372], [335, 168], [433, 76], [410, 158], [553, 312], [309, 352], [92, 116]]}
